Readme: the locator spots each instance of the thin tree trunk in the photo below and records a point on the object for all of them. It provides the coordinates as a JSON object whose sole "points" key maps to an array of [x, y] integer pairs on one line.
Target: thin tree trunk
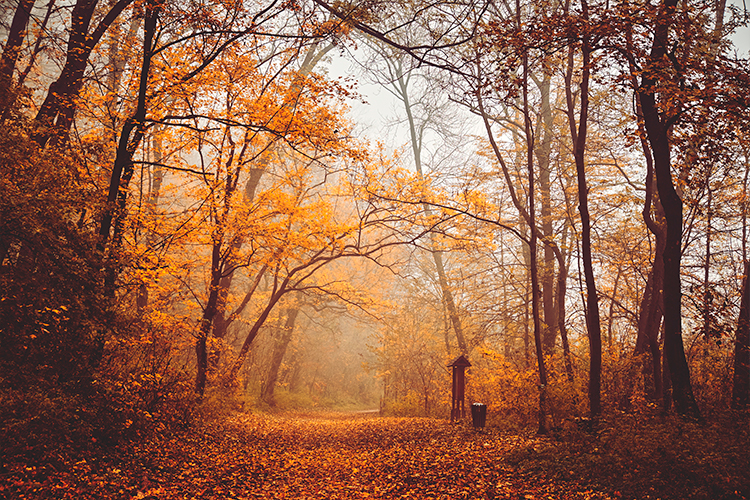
{"points": [[543, 153], [707, 295], [131, 135], [240, 360], [157, 177], [209, 311], [593, 324], [279, 350], [535, 295], [437, 255], [37, 45], [221, 321], [529, 216]]}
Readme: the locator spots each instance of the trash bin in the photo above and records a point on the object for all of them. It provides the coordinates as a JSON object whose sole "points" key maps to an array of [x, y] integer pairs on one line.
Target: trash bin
{"points": [[478, 415]]}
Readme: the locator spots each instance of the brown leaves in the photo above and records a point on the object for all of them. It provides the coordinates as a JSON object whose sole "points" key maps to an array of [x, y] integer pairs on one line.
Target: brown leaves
{"points": [[273, 457]]}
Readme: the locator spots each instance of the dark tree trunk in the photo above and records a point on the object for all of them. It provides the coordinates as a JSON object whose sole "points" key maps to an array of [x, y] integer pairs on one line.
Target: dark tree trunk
{"points": [[657, 128], [131, 135], [651, 311], [561, 289], [649, 324], [209, 312], [55, 115], [222, 322], [593, 323], [12, 50], [278, 292], [741, 380], [652, 303]]}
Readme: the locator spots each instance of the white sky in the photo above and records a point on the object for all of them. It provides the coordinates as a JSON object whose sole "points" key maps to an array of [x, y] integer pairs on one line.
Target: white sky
{"points": [[372, 119], [741, 37]]}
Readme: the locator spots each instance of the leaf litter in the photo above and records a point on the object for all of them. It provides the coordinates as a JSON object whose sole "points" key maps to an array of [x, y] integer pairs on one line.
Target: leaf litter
{"points": [[253, 456]]}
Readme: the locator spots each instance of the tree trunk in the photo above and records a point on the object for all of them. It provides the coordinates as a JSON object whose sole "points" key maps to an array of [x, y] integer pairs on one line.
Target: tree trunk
{"points": [[535, 295], [649, 324], [529, 216], [658, 136], [209, 311], [131, 135], [741, 380], [157, 177], [12, 50], [55, 115], [37, 45], [437, 255], [279, 350], [593, 324], [278, 292], [652, 303], [221, 322], [547, 278]]}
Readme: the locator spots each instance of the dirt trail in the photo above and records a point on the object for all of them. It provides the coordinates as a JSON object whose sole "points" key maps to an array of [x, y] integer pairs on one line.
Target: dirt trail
{"points": [[324, 456], [317, 456]]}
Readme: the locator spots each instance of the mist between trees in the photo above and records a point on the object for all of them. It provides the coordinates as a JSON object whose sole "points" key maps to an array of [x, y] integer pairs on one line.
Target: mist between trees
{"points": [[191, 215]]}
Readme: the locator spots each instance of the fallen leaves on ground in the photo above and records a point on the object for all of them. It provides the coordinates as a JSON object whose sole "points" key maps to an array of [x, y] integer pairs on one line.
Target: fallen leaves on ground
{"points": [[261, 456]]}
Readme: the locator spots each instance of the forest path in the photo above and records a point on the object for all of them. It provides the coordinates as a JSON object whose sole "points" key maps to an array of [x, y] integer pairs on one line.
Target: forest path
{"points": [[312, 456], [339, 455]]}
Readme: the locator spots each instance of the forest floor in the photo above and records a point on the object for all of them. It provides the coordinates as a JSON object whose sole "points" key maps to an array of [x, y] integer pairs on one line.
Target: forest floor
{"points": [[337, 455]]}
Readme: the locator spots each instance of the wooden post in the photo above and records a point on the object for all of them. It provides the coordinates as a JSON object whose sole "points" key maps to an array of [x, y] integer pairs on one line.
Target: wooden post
{"points": [[459, 383]]}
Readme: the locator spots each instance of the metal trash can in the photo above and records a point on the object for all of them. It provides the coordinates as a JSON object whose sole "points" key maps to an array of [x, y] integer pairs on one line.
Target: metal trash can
{"points": [[478, 415]]}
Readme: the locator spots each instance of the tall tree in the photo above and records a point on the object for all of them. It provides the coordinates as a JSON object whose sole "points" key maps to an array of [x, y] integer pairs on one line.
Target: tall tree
{"points": [[657, 121], [398, 80], [578, 134]]}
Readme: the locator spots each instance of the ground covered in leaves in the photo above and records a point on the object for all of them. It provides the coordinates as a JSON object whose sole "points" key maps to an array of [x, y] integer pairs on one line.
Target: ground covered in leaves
{"points": [[356, 456]]}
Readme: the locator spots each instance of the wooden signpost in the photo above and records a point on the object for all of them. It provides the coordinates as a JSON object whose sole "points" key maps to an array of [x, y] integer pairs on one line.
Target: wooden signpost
{"points": [[459, 383]]}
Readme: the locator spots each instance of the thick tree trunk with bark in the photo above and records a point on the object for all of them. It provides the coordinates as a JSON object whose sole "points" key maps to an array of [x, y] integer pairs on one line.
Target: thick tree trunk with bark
{"points": [[12, 50], [55, 116], [657, 128], [741, 380], [651, 309], [649, 324]]}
